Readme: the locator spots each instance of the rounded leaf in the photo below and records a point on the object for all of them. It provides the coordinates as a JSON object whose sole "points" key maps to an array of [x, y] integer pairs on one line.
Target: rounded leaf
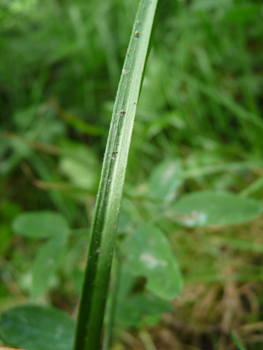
{"points": [[149, 254], [46, 263], [40, 224], [166, 180], [139, 310], [37, 328], [206, 208]]}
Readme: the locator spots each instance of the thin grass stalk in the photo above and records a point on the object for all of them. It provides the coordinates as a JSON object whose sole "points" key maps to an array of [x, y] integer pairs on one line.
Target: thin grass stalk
{"points": [[115, 281], [103, 232]]}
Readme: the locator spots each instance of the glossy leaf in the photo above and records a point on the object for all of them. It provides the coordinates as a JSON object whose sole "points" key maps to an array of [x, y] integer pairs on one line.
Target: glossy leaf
{"points": [[205, 208], [37, 328], [148, 254], [40, 224], [46, 263], [166, 180]]}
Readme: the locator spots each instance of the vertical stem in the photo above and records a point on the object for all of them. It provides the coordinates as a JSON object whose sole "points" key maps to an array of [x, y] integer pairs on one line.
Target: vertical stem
{"points": [[103, 232], [113, 302]]}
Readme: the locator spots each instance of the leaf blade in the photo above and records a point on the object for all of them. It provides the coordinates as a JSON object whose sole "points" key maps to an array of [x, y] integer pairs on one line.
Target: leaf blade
{"points": [[37, 327], [148, 254], [206, 208], [92, 306], [46, 263], [40, 224]]}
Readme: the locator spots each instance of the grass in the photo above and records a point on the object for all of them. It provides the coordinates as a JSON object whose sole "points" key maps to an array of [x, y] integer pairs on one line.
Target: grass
{"points": [[104, 227], [201, 103]]}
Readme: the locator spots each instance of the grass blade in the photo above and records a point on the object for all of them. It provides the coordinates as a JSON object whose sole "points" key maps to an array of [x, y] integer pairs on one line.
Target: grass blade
{"points": [[236, 341], [94, 294]]}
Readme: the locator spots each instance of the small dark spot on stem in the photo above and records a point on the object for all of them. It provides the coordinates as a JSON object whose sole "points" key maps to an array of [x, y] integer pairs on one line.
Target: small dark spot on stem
{"points": [[137, 34]]}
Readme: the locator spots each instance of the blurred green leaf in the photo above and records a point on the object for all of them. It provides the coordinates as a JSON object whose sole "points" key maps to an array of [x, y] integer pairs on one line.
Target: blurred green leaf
{"points": [[242, 13], [138, 310], [80, 164], [5, 236], [206, 5], [37, 328], [78, 277], [204, 208], [236, 341], [148, 254], [24, 118], [40, 224], [166, 180], [46, 263]]}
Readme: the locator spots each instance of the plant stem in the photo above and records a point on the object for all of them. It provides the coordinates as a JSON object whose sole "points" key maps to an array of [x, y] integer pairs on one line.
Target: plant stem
{"points": [[103, 232], [116, 271]]}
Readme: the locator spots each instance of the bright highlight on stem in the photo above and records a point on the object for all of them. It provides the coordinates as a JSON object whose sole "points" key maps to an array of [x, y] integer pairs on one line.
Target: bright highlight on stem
{"points": [[95, 287]]}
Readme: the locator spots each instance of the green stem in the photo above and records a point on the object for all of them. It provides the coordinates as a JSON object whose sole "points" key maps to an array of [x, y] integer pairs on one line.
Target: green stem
{"points": [[95, 287], [109, 323]]}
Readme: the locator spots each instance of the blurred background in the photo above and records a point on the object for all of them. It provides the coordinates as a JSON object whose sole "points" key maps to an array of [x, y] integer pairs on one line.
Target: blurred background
{"points": [[201, 105]]}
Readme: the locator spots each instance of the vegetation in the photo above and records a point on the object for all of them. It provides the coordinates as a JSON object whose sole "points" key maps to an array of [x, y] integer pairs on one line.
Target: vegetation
{"points": [[187, 267]]}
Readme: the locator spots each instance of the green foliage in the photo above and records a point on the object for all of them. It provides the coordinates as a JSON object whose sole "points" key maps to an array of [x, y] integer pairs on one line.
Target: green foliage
{"points": [[37, 328], [195, 156], [80, 164], [236, 341], [166, 180], [48, 259], [106, 215], [139, 310], [148, 254], [206, 208], [50, 255], [40, 225]]}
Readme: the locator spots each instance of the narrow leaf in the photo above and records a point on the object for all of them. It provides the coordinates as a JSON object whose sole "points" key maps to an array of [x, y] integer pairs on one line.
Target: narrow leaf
{"points": [[94, 294], [236, 341]]}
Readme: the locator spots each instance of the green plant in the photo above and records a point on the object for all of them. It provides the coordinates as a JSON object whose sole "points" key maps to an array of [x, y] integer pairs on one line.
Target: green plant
{"points": [[236, 341], [102, 241], [198, 119], [93, 301]]}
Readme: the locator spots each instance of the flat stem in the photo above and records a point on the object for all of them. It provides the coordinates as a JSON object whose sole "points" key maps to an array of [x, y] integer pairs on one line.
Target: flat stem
{"points": [[106, 215]]}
